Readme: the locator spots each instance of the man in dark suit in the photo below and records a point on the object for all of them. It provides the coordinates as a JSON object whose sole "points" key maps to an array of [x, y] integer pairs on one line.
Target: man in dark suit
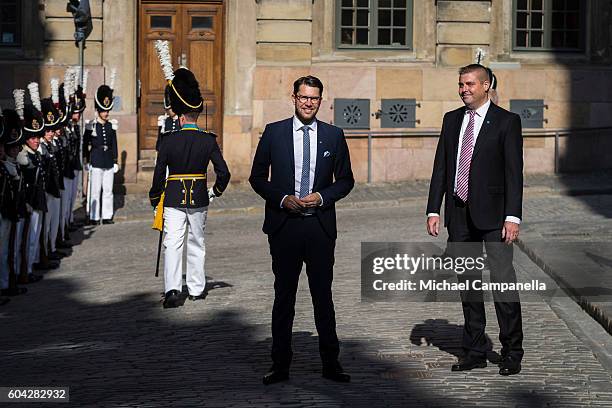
{"points": [[478, 168], [310, 171]]}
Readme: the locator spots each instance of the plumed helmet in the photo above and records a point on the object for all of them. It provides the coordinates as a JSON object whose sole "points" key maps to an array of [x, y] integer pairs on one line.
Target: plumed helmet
{"points": [[33, 122], [50, 114], [13, 133], [104, 98], [79, 100], [185, 93]]}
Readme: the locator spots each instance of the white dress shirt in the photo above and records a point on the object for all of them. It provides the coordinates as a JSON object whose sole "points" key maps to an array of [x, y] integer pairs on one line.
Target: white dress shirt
{"points": [[478, 120], [298, 153], [298, 156]]}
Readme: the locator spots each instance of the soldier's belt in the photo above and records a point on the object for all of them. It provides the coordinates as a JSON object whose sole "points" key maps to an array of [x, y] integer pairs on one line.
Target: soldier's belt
{"points": [[182, 177], [158, 222]]}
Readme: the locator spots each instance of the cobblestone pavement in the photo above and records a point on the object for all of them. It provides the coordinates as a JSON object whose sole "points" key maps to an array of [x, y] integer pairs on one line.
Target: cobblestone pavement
{"points": [[96, 325]]}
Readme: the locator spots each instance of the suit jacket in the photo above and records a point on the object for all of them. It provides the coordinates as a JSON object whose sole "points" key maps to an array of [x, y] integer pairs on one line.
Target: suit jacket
{"points": [[495, 188], [273, 172], [188, 152]]}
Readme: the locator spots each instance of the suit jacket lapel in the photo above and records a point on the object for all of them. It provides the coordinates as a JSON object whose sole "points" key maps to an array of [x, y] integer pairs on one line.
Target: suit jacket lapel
{"points": [[455, 130], [488, 121], [321, 142], [288, 136]]}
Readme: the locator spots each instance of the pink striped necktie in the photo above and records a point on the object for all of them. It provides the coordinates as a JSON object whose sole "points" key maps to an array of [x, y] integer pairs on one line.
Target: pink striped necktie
{"points": [[465, 158]]}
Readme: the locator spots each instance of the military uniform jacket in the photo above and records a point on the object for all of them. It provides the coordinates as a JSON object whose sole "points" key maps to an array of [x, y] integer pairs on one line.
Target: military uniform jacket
{"points": [[165, 126], [52, 179], [188, 152], [100, 141], [62, 153], [74, 140], [13, 198], [33, 178]]}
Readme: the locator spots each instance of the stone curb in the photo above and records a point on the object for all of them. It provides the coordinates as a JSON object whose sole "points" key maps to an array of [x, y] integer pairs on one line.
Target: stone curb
{"points": [[592, 309]]}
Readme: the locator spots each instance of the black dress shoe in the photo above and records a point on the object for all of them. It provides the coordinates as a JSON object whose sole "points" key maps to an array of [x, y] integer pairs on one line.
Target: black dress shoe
{"points": [[198, 297], [56, 256], [467, 364], [335, 372], [45, 266], [171, 299], [16, 291], [275, 376], [30, 278], [63, 244], [108, 222], [93, 222], [509, 366]]}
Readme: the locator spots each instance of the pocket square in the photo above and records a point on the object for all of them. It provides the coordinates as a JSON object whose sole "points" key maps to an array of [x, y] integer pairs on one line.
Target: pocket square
{"points": [[326, 153]]}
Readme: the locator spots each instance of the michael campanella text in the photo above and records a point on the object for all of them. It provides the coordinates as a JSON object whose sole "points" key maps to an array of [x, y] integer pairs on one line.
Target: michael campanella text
{"points": [[432, 284]]}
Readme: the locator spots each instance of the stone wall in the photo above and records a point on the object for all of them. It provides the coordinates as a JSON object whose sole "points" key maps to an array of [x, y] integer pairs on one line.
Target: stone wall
{"points": [[447, 35]]}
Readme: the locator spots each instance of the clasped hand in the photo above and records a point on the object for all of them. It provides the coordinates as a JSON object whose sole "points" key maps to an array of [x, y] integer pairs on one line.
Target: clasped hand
{"points": [[295, 204]]}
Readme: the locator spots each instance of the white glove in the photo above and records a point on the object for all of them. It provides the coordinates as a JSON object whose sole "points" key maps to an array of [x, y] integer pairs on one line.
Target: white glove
{"points": [[87, 167], [211, 195], [115, 168]]}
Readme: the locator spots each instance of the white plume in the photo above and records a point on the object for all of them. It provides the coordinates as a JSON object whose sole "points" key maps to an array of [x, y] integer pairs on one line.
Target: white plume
{"points": [[163, 53], [55, 90], [113, 76], [68, 85], [19, 96], [76, 73], [85, 77], [34, 95]]}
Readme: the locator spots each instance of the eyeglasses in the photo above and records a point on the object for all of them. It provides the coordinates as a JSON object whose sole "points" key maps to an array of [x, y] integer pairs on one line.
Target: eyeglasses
{"points": [[303, 99]]}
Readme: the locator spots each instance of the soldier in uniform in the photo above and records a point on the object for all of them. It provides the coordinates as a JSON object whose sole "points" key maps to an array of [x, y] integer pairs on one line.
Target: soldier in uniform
{"points": [[168, 122], [100, 144], [74, 129], [185, 196], [33, 172], [67, 172], [13, 208], [5, 225], [54, 180]]}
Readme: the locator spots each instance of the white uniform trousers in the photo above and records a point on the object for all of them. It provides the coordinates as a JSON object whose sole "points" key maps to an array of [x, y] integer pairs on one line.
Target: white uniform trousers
{"points": [[33, 254], [66, 208], [175, 225], [63, 205], [19, 231], [5, 230], [73, 196], [52, 222], [101, 182]]}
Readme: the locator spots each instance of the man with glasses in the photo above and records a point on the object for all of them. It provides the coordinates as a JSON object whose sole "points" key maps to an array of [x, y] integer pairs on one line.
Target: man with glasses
{"points": [[310, 171]]}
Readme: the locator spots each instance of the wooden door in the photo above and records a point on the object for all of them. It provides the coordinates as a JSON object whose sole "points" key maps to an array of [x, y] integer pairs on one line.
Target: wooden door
{"points": [[195, 33]]}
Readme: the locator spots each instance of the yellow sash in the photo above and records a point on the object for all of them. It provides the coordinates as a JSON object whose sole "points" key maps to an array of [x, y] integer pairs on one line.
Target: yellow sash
{"points": [[158, 221]]}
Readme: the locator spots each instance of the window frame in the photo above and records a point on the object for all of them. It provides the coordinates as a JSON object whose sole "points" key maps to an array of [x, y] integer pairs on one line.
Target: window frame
{"points": [[373, 28], [18, 28], [547, 30]]}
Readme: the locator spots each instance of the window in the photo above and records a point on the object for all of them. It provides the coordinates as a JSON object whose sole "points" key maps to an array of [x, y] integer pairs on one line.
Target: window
{"points": [[374, 24], [161, 22], [549, 25], [10, 18]]}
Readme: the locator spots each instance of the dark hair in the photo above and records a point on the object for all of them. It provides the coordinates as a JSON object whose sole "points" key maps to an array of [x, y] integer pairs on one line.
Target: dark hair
{"points": [[191, 116], [484, 73], [308, 81]]}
